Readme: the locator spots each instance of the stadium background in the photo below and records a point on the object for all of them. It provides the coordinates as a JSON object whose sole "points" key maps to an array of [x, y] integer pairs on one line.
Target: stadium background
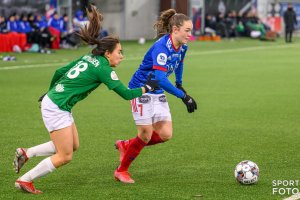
{"points": [[123, 16]]}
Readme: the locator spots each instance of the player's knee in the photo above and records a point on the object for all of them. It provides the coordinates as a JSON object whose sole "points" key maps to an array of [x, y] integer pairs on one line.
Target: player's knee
{"points": [[145, 136], [167, 135], [66, 158]]}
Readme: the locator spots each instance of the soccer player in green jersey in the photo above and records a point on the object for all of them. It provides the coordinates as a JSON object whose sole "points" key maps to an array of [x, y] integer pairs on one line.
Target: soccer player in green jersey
{"points": [[71, 84]]}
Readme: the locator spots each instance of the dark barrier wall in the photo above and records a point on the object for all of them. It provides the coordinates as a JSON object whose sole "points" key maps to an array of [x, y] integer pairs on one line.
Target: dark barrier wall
{"points": [[212, 7]]}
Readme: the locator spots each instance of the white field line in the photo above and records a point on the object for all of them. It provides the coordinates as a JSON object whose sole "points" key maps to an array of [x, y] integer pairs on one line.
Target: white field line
{"points": [[194, 53], [191, 53], [293, 197], [32, 66]]}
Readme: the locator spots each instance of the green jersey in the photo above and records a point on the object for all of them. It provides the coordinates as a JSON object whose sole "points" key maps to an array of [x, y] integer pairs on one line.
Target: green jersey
{"points": [[78, 79]]}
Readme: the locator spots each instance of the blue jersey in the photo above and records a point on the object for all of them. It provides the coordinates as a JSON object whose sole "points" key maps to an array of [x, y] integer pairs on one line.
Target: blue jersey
{"points": [[162, 59]]}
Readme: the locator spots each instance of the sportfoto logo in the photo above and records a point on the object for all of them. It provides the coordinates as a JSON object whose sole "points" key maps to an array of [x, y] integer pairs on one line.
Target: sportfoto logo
{"points": [[285, 187]]}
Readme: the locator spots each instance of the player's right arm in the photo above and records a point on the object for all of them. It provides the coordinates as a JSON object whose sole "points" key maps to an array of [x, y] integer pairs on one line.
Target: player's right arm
{"points": [[109, 77], [128, 94]]}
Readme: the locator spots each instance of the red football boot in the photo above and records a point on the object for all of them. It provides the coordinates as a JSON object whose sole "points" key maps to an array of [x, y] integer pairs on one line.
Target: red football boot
{"points": [[20, 159], [27, 187], [124, 177]]}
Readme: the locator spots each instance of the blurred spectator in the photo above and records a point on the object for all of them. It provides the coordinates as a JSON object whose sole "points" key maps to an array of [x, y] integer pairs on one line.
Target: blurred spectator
{"points": [[68, 38], [12, 25], [240, 27], [3, 27], [45, 37], [63, 23], [210, 25], [26, 28], [197, 21], [17, 20], [231, 24], [221, 28], [54, 29], [41, 22], [24, 24], [103, 33], [54, 21], [290, 21], [255, 26], [79, 21]]}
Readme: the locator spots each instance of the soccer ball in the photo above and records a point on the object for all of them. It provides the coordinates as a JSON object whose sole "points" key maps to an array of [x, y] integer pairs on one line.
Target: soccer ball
{"points": [[246, 172]]}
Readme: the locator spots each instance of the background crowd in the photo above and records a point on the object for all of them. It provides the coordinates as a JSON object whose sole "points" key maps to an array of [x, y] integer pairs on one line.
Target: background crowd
{"points": [[231, 25], [35, 33]]}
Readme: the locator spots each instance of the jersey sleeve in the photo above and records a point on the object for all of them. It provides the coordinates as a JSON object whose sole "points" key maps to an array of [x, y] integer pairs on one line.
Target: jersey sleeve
{"points": [[160, 57], [179, 70], [166, 84], [109, 77], [126, 93]]}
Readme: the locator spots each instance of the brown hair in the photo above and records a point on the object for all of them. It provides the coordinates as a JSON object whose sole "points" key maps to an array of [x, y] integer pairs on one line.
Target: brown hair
{"points": [[167, 20], [90, 33]]}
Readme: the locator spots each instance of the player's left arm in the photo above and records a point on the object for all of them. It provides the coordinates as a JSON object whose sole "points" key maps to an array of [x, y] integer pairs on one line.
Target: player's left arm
{"points": [[165, 84], [160, 72], [169, 87], [179, 72]]}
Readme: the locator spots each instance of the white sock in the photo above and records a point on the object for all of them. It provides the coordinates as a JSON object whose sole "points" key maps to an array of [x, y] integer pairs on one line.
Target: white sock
{"points": [[46, 149], [43, 168]]}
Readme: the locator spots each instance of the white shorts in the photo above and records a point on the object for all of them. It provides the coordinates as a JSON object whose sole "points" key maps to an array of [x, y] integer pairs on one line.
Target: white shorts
{"points": [[53, 117], [150, 108]]}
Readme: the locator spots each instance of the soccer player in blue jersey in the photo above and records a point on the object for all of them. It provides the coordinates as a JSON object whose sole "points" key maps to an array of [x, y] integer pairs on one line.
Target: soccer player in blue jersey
{"points": [[151, 111]]}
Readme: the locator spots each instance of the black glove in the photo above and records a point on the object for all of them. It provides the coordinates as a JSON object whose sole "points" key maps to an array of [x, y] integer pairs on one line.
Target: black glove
{"points": [[151, 85], [179, 86], [190, 103], [41, 97]]}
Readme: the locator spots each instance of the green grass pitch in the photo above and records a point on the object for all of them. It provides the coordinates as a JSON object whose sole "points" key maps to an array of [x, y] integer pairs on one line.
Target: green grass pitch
{"points": [[248, 108]]}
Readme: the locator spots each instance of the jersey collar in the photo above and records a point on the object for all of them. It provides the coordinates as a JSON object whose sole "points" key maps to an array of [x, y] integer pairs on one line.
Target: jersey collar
{"points": [[173, 44]]}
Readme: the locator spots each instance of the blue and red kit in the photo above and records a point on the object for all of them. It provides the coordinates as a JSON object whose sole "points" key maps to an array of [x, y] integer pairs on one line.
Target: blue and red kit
{"points": [[162, 59]]}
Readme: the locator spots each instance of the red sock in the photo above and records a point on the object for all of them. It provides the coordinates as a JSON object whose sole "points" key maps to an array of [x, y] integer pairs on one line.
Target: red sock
{"points": [[134, 148], [155, 139]]}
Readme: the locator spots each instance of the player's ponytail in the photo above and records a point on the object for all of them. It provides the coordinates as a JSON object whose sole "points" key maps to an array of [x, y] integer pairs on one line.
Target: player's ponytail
{"points": [[90, 33], [167, 20]]}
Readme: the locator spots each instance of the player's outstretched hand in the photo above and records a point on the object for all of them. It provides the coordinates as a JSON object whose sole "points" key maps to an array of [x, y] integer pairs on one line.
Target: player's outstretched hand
{"points": [[190, 103], [151, 85], [179, 86], [41, 97]]}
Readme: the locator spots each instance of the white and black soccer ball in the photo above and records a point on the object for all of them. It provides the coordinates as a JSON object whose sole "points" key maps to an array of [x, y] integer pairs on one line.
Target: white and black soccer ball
{"points": [[246, 172]]}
